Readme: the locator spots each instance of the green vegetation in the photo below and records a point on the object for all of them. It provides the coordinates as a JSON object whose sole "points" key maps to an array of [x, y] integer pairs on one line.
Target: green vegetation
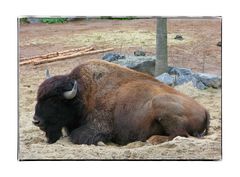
{"points": [[53, 20], [23, 20]]}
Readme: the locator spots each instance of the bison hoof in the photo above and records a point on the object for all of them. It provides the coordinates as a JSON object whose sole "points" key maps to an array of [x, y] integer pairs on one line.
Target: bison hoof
{"points": [[100, 143], [51, 141]]}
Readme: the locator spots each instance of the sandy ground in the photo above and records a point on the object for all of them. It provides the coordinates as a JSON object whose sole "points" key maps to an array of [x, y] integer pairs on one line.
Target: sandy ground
{"points": [[32, 142]]}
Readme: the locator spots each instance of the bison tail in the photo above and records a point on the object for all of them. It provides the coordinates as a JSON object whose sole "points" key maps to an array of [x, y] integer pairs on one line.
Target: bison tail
{"points": [[205, 128], [207, 123]]}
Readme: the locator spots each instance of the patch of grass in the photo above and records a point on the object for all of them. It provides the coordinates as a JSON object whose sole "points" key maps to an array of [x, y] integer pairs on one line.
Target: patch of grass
{"points": [[53, 20], [114, 38]]}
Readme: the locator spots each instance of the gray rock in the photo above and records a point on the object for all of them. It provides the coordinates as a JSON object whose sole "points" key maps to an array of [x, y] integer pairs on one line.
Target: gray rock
{"points": [[112, 57], [183, 75], [219, 44], [182, 79], [166, 78], [198, 84], [180, 76], [178, 37], [139, 53], [179, 71], [144, 64], [33, 20], [209, 80]]}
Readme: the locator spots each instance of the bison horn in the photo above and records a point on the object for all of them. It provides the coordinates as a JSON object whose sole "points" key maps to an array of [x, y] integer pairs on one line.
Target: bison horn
{"points": [[47, 74], [72, 93]]}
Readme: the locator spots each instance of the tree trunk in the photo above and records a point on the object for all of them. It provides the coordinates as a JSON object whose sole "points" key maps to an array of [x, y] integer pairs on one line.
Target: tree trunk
{"points": [[161, 65]]}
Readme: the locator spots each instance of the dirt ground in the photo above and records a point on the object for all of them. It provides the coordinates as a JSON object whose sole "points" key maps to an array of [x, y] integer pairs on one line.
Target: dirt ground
{"points": [[197, 51]]}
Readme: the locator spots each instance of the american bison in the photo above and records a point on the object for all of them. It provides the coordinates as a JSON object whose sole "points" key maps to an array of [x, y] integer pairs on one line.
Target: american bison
{"points": [[102, 101]]}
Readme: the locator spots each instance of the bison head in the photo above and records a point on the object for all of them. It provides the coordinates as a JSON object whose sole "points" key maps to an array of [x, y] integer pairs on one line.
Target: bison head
{"points": [[58, 104]]}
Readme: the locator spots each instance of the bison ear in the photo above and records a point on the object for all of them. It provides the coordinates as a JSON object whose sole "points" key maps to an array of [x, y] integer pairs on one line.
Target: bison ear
{"points": [[47, 74], [72, 93]]}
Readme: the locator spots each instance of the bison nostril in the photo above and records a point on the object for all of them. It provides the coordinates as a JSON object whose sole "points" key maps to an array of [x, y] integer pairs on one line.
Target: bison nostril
{"points": [[36, 122]]}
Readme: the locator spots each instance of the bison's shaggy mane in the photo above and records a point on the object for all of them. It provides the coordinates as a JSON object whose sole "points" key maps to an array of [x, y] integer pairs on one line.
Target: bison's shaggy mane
{"points": [[54, 86]]}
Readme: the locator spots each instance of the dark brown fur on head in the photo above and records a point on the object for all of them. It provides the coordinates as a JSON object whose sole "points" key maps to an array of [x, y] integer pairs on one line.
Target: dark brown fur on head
{"points": [[53, 111], [54, 86]]}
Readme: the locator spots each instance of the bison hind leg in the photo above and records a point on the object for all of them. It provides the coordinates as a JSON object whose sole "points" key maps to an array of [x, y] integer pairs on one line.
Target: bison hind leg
{"points": [[157, 139], [87, 135]]}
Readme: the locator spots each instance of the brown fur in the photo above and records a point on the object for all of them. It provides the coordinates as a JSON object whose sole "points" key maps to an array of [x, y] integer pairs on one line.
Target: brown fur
{"points": [[134, 106]]}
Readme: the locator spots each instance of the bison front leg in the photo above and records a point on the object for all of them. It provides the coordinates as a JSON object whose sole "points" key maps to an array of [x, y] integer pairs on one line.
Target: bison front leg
{"points": [[87, 135]]}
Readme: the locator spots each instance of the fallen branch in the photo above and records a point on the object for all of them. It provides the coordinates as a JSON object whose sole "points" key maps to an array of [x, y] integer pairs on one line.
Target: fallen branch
{"points": [[55, 54], [70, 56], [65, 53], [75, 50]]}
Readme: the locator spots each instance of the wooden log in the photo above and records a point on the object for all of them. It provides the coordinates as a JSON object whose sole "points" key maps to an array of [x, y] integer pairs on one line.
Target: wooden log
{"points": [[70, 56], [25, 62], [54, 55], [50, 55], [75, 50]]}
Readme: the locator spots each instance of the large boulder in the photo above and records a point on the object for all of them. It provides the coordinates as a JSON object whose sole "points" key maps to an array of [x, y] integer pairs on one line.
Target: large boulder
{"points": [[179, 71], [144, 64], [198, 84], [199, 80], [182, 79], [166, 78], [209, 80], [183, 75]]}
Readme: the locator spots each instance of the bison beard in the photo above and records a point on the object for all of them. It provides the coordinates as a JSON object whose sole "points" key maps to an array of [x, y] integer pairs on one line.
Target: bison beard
{"points": [[101, 101]]}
